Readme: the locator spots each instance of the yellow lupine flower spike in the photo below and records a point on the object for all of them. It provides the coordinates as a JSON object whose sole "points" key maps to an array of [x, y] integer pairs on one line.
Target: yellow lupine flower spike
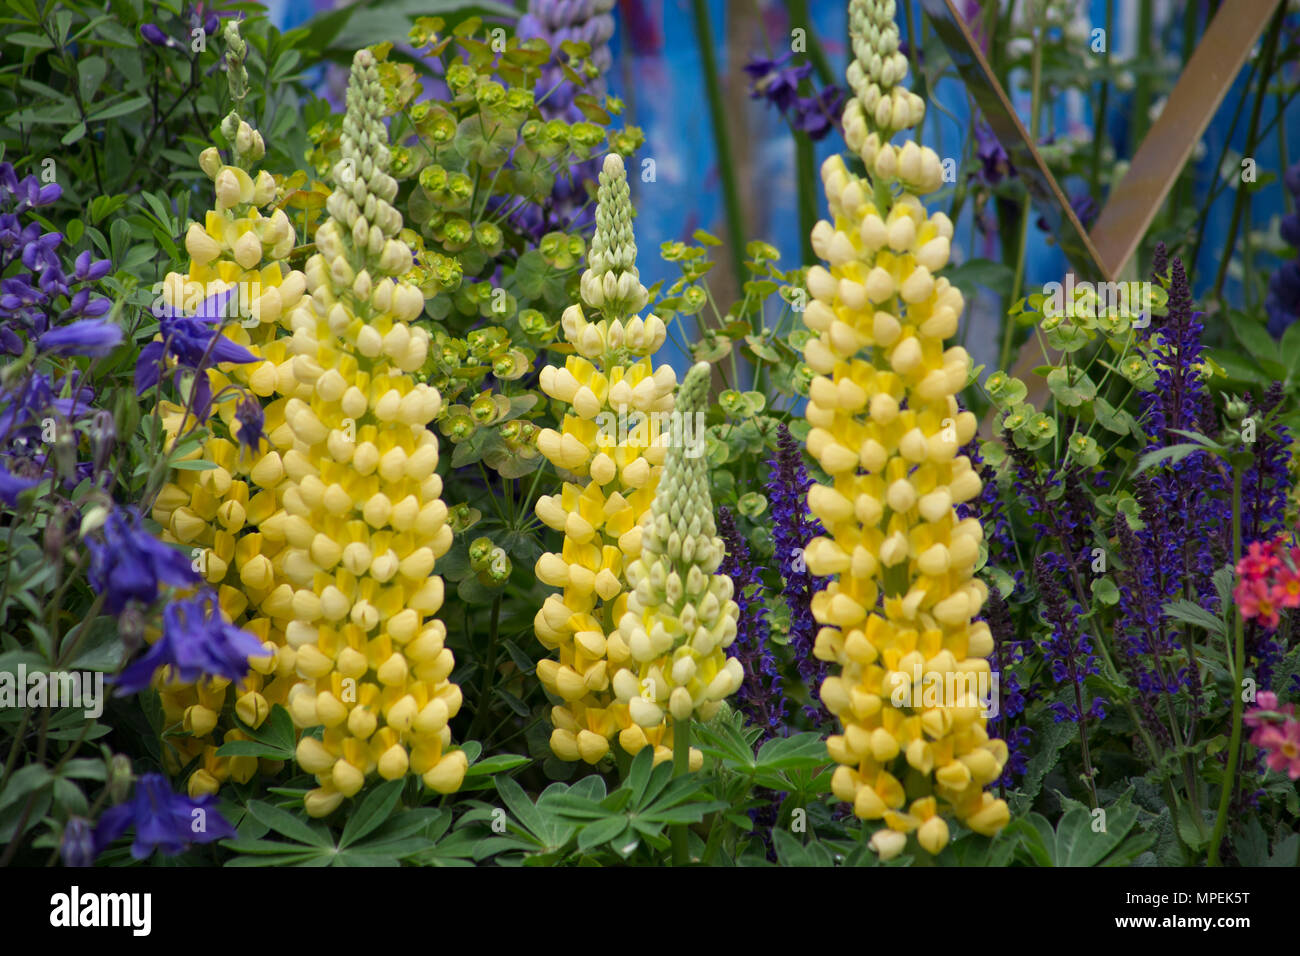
{"points": [[680, 616], [361, 521], [886, 428], [217, 512], [608, 444]]}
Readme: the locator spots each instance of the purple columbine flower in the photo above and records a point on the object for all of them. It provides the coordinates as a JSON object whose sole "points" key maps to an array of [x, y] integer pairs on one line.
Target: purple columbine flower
{"points": [[995, 164], [196, 344], [200, 15], [154, 35], [24, 408], [77, 845], [37, 296], [1085, 209], [163, 820], [196, 642], [11, 486], [127, 563], [776, 81], [761, 697], [792, 528], [90, 337], [251, 420], [817, 115]]}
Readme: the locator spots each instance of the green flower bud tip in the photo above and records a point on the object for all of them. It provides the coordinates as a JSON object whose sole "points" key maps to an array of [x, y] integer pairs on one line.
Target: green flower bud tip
{"points": [[684, 492], [359, 240], [611, 282]]}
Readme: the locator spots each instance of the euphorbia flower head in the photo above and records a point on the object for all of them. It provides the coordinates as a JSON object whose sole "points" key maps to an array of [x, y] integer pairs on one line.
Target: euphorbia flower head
{"points": [[897, 617]]}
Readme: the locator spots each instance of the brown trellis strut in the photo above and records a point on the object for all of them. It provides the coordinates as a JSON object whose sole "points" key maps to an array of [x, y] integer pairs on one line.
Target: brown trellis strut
{"points": [[1107, 251]]}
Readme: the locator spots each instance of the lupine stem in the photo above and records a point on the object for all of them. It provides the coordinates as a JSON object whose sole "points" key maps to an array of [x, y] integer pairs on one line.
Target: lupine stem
{"points": [[806, 176], [1009, 328], [1252, 135], [1102, 98], [681, 767], [1236, 662], [721, 139], [489, 670]]}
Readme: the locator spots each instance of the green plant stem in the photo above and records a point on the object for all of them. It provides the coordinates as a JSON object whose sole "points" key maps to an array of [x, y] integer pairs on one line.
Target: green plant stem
{"points": [[821, 64], [1139, 121], [681, 767], [489, 670], [1009, 326], [721, 139], [805, 161], [1099, 123], [1252, 139], [1219, 179], [1236, 661], [1288, 201]]}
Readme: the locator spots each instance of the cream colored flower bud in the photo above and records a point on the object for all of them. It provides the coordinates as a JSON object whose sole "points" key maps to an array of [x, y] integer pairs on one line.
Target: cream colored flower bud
{"points": [[210, 162], [227, 188], [202, 247], [263, 189]]}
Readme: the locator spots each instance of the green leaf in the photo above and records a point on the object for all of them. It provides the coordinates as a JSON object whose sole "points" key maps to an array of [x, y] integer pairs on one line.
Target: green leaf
{"points": [[520, 806], [120, 108], [1253, 335], [799, 751], [1189, 612], [22, 782], [1087, 837], [1171, 454], [373, 811], [286, 824], [277, 738], [601, 831], [251, 748], [1290, 347], [1105, 591], [638, 774], [1110, 418], [497, 764], [85, 768], [1051, 740], [973, 274], [1239, 369], [90, 73]]}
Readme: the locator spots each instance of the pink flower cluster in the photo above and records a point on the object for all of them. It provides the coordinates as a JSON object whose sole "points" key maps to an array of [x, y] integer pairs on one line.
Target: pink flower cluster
{"points": [[1276, 731], [1268, 580]]}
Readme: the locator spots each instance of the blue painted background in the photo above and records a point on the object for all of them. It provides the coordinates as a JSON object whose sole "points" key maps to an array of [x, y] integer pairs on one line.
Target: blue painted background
{"points": [[664, 67]]}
